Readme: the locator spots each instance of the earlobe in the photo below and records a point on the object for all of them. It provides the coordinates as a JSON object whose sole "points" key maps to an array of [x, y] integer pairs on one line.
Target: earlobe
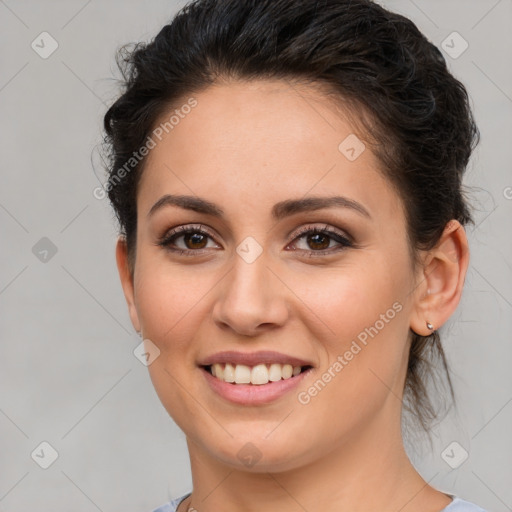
{"points": [[442, 280], [126, 278]]}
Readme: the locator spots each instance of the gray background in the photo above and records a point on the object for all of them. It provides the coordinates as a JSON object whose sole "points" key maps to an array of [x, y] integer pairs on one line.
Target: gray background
{"points": [[68, 374]]}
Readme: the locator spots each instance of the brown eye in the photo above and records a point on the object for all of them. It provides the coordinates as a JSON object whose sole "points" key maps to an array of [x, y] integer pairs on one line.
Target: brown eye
{"points": [[185, 240], [195, 240], [319, 240]]}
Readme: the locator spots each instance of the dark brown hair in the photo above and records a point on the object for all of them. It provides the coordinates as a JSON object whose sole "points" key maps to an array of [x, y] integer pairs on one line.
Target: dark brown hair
{"points": [[422, 128]]}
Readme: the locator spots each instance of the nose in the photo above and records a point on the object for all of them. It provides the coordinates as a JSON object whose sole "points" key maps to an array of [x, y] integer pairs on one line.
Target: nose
{"points": [[251, 298]]}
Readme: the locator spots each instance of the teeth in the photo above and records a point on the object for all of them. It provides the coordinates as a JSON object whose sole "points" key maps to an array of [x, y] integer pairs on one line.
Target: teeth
{"points": [[229, 373], [242, 374], [259, 374], [275, 372], [216, 369], [287, 371]]}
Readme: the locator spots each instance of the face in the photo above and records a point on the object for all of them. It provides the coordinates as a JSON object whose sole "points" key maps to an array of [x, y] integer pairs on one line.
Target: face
{"points": [[256, 277]]}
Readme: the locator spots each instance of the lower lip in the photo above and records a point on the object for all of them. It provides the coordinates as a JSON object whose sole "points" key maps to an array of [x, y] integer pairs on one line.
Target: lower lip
{"points": [[253, 394]]}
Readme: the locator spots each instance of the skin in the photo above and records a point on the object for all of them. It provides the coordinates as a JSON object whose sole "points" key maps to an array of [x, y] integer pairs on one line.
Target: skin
{"points": [[245, 147]]}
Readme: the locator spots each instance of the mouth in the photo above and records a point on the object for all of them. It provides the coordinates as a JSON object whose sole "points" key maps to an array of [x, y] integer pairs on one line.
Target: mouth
{"points": [[254, 378], [257, 375]]}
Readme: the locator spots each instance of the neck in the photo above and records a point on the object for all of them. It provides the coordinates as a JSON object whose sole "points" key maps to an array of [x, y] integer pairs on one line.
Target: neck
{"points": [[369, 471]]}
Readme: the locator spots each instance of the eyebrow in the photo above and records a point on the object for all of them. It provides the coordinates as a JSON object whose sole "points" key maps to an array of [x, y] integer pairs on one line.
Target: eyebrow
{"points": [[279, 210]]}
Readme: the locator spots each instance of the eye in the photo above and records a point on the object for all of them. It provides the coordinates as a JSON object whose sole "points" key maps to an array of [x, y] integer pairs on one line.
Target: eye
{"points": [[320, 240], [195, 239]]}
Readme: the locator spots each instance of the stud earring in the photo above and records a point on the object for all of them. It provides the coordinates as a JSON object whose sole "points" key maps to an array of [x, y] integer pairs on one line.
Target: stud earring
{"points": [[430, 327]]}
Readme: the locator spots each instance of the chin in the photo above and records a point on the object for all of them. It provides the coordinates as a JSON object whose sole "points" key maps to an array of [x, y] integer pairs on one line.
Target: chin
{"points": [[258, 455]]}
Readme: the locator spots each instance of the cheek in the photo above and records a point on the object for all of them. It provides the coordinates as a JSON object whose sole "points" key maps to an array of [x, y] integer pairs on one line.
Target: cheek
{"points": [[169, 299], [364, 308], [357, 298], [171, 306]]}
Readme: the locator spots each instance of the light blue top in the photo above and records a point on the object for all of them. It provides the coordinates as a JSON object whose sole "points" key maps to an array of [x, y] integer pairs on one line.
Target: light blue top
{"points": [[457, 505]]}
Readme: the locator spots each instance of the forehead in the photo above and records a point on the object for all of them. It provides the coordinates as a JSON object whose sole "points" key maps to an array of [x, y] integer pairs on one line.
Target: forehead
{"points": [[263, 115], [258, 141]]}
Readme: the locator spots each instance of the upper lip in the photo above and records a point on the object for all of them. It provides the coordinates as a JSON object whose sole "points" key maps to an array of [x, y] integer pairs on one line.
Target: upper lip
{"points": [[253, 358]]}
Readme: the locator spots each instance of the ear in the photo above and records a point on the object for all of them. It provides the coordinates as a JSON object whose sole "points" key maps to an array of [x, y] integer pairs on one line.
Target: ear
{"points": [[440, 284], [127, 280]]}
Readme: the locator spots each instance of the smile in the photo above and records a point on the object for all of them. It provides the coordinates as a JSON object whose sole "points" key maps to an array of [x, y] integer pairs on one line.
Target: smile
{"points": [[257, 375]]}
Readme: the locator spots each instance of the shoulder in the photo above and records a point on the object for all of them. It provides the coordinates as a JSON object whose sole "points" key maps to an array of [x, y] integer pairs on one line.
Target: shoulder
{"points": [[457, 505], [460, 505], [172, 505]]}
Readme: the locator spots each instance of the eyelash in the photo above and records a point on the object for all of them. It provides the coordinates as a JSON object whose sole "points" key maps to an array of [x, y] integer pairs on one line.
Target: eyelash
{"points": [[169, 237]]}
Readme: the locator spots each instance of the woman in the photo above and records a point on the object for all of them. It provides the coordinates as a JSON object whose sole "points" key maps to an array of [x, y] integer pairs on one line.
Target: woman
{"points": [[287, 178]]}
